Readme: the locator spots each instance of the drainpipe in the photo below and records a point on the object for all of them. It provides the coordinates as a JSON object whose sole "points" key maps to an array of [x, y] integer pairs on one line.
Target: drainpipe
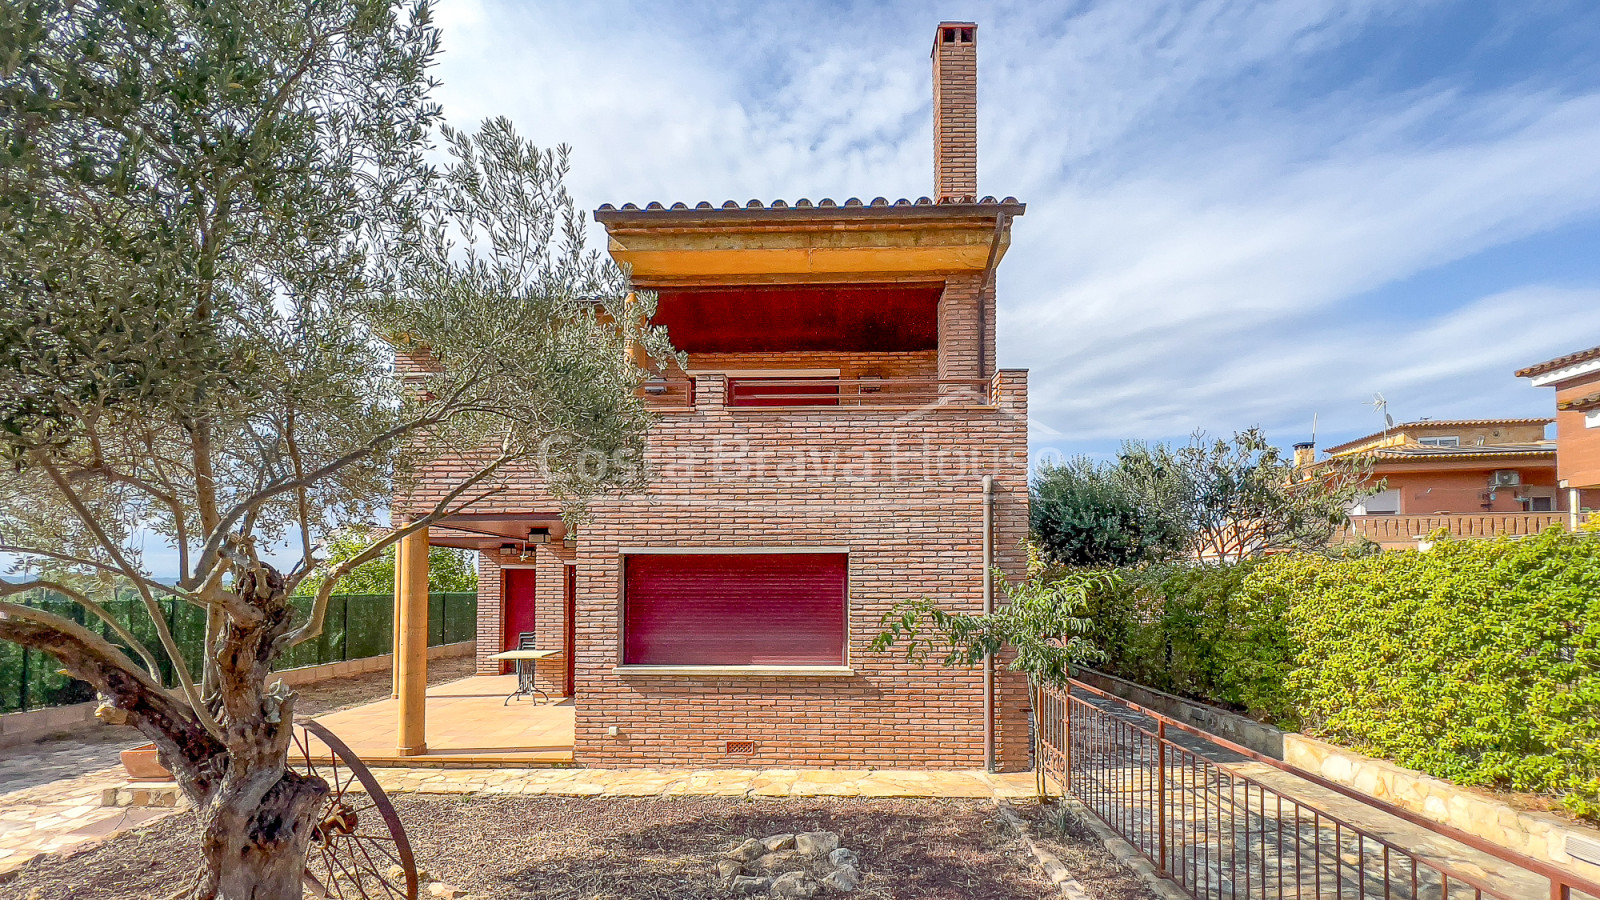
{"points": [[988, 609]]}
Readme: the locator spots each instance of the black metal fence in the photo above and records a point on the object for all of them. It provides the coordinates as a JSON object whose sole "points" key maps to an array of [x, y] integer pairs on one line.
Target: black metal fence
{"points": [[357, 626], [1221, 833]]}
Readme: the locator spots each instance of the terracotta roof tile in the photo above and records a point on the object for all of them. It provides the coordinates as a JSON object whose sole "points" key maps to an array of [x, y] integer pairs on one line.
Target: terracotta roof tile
{"points": [[1485, 451], [824, 203], [1433, 423], [1560, 362], [1580, 404]]}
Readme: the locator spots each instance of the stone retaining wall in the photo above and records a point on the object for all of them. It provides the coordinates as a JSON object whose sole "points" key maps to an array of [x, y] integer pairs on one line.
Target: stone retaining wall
{"points": [[313, 674], [38, 724], [1539, 835], [26, 727], [1229, 726]]}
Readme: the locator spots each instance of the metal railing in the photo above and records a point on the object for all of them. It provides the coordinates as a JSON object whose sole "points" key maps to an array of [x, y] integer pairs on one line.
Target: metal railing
{"points": [[764, 391], [904, 391], [1220, 833]]}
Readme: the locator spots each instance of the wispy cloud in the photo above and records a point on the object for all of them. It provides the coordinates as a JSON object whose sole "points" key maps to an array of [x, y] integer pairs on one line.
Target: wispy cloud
{"points": [[1219, 192]]}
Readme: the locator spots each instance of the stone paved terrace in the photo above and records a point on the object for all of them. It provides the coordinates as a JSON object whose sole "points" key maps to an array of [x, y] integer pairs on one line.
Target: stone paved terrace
{"points": [[469, 723], [64, 815]]}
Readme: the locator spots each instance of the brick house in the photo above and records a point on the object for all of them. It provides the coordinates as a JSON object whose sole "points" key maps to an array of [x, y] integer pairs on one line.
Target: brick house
{"points": [[1471, 477], [1576, 379], [841, 439]]}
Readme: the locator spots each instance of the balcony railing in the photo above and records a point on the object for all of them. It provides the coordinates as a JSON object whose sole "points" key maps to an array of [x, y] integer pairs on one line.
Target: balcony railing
{"points": [[763, 391], [772, 392], [1398, 530]]}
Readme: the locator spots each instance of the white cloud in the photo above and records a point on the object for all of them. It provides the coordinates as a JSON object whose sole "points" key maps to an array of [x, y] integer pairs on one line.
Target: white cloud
{"points": [[1201, 229]]}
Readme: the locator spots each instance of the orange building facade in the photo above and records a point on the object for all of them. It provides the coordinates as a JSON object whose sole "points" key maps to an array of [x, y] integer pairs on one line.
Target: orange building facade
{"points": [[1470, 477], [1576, 380]]}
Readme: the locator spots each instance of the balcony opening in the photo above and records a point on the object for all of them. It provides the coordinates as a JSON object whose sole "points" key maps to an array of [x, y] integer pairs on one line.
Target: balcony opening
{"points": [[858, 318]]}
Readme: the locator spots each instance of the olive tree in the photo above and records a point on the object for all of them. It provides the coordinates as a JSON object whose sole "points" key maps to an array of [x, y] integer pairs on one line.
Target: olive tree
{"points": [[217, 224]]}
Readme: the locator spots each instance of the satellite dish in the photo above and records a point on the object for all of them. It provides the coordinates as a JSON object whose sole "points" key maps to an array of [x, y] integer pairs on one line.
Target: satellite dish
{"points": [[1388, 420]]}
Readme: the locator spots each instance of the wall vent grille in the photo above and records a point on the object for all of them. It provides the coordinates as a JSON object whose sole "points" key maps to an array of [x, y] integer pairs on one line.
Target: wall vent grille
{"points": [[1586, 849], [741, 747]]}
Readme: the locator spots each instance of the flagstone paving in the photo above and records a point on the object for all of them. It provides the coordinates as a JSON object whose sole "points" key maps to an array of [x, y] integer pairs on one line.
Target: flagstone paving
{"points": [[67, 814], [63, 816]]}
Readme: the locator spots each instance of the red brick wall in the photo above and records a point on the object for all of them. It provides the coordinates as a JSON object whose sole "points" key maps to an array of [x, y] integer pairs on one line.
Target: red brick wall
{"points": [[966, 328], [1577, 445], [955, 114], [901, 490], [550, 615]]}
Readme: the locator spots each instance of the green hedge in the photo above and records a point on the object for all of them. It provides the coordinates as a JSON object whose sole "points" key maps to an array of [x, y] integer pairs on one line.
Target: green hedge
{"points": [[1477, 661], [357, 626]]}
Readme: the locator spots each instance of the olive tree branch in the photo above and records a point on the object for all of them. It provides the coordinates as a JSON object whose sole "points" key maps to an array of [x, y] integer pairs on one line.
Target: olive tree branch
{"points": [[179, 665], [150, 664], [319, 608]]}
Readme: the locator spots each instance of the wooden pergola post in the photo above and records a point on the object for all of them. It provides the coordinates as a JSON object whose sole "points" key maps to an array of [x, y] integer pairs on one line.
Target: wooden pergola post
{"points": [[411, 633]]}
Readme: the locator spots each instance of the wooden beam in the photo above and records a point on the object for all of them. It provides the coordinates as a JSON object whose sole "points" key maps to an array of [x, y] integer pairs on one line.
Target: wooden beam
{"points": [[411, 627]]}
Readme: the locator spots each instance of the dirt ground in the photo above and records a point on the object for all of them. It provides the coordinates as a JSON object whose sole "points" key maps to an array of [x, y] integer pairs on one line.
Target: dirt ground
{"points": [[1081, 852], [634, 848]]}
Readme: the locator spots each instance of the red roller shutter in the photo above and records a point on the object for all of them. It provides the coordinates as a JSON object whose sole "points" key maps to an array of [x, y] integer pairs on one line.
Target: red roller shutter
{"points": [[735, 609], [791, 392]]}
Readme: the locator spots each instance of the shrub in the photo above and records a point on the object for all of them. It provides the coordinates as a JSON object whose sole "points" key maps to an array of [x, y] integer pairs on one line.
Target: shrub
{"points": [[1477, 661]]}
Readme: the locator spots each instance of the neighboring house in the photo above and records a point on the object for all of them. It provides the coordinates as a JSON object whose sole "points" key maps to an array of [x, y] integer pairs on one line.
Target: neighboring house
{"points": [[1459, 466], [836, 444], [1576, 379], [1473, 477]]}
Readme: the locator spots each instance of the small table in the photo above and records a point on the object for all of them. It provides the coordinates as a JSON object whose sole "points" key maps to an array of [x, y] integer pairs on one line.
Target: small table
{"points": [[524, 660]]}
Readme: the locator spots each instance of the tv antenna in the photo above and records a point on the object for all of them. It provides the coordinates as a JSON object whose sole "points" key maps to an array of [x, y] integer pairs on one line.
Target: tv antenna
{"points": [[1381, 406]]}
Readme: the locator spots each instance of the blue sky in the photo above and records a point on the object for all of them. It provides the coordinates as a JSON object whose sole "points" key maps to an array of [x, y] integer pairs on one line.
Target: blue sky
{"points": [[1240, 213]]}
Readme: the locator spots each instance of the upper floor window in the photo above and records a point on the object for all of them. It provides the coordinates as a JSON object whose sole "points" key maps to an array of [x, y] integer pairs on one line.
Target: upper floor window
{"points": [[1451, 441]]}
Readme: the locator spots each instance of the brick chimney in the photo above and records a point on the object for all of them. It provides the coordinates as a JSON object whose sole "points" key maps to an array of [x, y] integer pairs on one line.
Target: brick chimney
{"points": [[955, 112], [1305, 456]]}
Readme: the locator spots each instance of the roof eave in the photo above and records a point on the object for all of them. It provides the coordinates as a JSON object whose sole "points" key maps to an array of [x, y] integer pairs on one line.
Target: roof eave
{"points": [[766, 215]]}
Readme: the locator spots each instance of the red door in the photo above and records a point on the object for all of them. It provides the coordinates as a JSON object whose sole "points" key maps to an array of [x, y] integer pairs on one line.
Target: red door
{"points": [[570, 646], [517, 609]]}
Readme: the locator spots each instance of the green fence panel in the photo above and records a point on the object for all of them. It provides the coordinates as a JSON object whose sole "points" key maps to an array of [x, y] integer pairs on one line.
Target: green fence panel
{"points": [[357, 626], [371, 625], [458, 617]]}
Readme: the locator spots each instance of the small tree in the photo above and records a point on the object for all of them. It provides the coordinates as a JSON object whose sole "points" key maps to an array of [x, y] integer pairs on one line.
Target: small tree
{"points": [[215, 221], [1085, 514], [1240, 497], [448, 569], [1041, 622]]}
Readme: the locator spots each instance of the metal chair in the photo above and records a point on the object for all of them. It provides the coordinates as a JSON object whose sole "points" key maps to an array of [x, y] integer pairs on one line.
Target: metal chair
{"points": [[526, 640]]}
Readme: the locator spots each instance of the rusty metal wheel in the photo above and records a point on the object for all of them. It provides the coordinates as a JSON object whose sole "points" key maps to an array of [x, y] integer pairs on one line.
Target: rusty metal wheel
{"points": [[359, 849]]}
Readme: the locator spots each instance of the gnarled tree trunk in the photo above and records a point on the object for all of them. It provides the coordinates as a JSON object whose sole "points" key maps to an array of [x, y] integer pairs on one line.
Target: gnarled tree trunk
{"points": [[257, 817]]}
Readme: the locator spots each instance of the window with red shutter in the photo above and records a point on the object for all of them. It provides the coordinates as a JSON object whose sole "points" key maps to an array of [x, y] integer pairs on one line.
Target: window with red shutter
{"points": [[744, 609]]}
